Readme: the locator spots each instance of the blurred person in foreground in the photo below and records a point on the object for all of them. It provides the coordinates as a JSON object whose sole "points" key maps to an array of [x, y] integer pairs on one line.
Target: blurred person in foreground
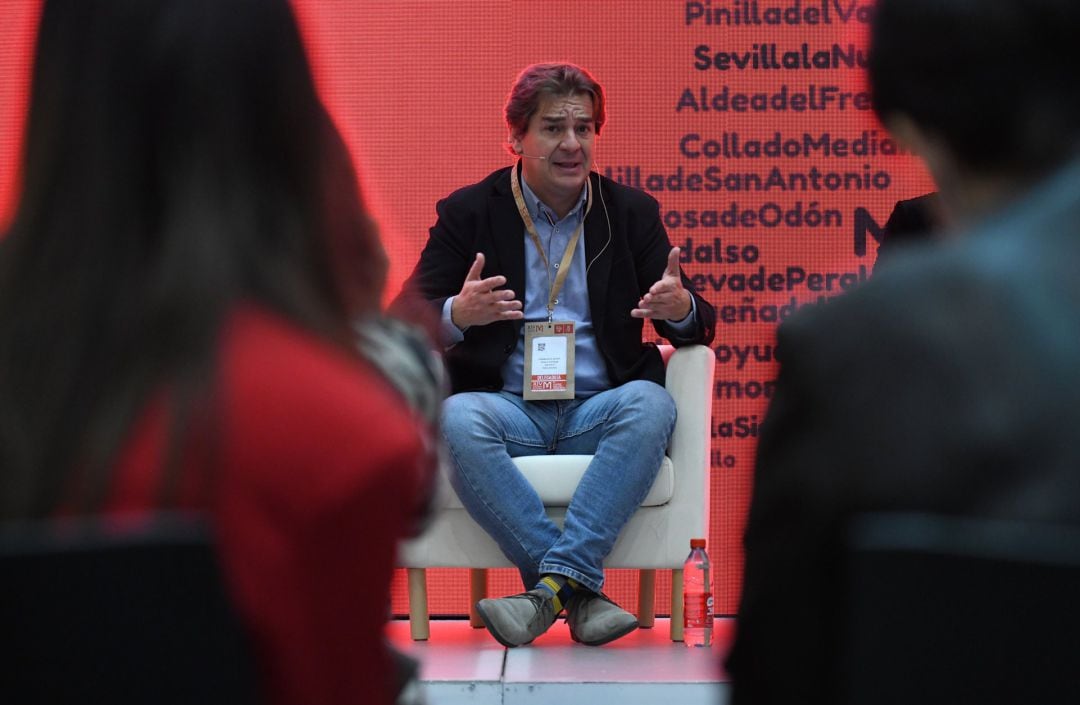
{"points": [[177, 295], [949, 382]]}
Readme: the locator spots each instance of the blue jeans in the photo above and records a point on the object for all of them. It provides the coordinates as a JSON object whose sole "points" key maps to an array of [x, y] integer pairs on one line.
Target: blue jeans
{"points": [[627, 429]]}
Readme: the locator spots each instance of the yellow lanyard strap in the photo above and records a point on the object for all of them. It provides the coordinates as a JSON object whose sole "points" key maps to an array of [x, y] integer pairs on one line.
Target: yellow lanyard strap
{"points": [[568, 254]]}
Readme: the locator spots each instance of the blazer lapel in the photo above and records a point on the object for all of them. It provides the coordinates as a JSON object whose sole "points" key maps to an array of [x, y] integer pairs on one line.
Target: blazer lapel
{"points": [[508, 238], [598, 255]]}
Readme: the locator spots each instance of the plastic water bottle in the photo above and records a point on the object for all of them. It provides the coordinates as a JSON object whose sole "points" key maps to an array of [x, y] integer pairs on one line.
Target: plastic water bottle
{"points": [[697, 597]]}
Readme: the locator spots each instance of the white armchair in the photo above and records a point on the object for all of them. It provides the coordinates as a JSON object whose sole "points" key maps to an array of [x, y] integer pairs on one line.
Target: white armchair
{"points": [[657, 535]]}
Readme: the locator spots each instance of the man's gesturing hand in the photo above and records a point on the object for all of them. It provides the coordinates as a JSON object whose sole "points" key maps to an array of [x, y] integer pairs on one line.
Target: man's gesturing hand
{"points": [[478, 304], [666, 299]]}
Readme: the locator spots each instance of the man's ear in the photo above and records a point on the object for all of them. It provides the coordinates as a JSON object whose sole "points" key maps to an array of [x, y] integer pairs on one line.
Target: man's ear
{"points": [[515, 143], [928, 146], [953, 181], [907, 133]]}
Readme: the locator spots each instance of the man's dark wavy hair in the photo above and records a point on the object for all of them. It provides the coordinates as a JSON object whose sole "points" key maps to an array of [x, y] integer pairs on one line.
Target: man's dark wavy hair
{"points": [[540, 81]]}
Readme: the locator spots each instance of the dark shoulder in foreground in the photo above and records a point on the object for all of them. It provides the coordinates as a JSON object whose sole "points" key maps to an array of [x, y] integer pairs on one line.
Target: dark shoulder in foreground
{"points": [[1028, 253]]}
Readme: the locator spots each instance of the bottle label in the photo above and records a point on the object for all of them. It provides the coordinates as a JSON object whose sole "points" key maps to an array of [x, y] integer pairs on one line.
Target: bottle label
{"points": [[698, 611]]}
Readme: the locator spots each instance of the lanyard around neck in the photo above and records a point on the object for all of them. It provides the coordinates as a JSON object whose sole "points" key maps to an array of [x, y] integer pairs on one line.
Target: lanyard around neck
{"points": [[571, 246]]}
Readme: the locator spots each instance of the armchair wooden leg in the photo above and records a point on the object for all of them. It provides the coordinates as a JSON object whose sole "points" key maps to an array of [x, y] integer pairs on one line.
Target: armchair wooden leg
{"points": [[419, 626], [646, 611], [676, 605], [477, 592]]}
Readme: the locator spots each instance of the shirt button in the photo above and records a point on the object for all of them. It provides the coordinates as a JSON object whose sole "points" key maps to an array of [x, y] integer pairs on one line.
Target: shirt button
{"points": [[556, 265], [556, 301]]}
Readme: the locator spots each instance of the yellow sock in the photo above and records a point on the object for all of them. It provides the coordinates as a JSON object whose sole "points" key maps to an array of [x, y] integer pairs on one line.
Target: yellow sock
{"points": [[560, 587]]}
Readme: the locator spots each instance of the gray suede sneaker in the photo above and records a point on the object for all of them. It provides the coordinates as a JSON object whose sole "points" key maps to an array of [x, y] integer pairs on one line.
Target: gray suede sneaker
{"points": [[518, 619], [594, 619]]}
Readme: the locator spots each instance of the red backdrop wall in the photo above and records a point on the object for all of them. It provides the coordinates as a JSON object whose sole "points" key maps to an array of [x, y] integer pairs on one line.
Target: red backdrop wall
{"points": [[747, 120]]}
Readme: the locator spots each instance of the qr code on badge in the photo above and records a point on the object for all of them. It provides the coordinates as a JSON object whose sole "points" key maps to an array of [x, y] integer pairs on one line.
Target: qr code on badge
{"points": [[540, 346]]}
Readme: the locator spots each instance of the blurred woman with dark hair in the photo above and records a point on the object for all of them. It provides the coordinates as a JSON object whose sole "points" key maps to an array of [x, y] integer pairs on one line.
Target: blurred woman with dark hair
{"points": [[176, 311]]}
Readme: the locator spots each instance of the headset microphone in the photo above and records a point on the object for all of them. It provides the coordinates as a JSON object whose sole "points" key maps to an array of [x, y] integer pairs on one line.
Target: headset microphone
{"points": [[528, 156]]}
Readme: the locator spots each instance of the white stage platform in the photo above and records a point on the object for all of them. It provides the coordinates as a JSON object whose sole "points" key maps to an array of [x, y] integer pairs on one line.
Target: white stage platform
{"points": [[462, 665]]}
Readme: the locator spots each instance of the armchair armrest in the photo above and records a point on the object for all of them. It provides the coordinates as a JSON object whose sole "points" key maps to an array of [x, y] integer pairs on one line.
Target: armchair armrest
{"points": [[689, 380]]}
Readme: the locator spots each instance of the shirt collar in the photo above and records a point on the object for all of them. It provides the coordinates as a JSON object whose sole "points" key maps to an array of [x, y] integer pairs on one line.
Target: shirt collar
{"points": [[538, 209]]}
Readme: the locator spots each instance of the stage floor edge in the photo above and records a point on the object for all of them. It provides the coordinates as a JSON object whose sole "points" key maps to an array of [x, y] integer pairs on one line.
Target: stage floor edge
{"points": [[463, 665]]}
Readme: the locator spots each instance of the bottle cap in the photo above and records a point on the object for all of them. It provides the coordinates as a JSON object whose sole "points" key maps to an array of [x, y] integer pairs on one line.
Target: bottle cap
{"points": [[697, 543]]}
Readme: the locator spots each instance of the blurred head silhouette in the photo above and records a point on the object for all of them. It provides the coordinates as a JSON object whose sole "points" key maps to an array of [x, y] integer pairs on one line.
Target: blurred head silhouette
{"points": [[177, 162], [985, 91]]}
